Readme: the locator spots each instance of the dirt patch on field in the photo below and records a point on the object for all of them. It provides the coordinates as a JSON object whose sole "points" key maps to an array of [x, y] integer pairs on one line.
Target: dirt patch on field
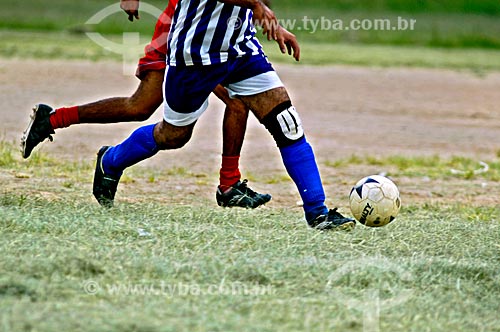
{"points": [[345, 110]]}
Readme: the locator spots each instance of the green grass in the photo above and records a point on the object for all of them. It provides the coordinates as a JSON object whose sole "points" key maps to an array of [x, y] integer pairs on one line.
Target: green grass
{"points": [[55, 45], [162, 260], [60, 15], [450, 30], [208, 269], [452, 24], [433, 167], [489, 7], [72, 47], [392, 56], [456, 34]]}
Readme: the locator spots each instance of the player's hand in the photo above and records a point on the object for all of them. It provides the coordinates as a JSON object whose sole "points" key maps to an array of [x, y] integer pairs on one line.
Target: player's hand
{"points": [[131, 7], [265, 18], [288, 43]]}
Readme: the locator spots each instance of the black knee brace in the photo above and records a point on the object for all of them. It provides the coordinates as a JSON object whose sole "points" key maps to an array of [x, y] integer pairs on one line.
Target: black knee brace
{"points": [[284, 124]]}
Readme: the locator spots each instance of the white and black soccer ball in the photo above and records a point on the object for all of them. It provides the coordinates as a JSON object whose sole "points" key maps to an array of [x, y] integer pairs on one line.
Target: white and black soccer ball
{"points": [[375, 201]]}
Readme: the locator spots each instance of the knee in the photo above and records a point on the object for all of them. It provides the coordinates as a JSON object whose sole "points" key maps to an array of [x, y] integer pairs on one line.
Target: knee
{"points": [[284, 124], [172, 143], [168, 138]]}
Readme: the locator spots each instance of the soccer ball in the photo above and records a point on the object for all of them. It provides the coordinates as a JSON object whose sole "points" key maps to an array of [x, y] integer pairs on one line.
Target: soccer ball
{"points": [[375, 201]]}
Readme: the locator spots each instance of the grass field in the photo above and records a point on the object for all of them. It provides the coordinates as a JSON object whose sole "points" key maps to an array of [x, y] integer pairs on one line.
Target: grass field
{"points": [[458, 34], [454, 24], [59, 45], [150, 266], [171, 260]]}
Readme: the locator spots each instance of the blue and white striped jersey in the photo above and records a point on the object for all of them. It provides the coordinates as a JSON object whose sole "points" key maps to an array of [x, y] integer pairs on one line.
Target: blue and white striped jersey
{"points": [[206, 32]]}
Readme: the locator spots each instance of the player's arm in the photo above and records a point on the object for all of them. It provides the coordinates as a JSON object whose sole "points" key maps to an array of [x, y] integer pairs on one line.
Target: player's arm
{"points": [[131, 7], [288, 43]]}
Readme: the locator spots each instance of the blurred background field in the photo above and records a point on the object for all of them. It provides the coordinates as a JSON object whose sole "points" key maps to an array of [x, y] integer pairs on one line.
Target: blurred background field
{"points": [[443, 30]]}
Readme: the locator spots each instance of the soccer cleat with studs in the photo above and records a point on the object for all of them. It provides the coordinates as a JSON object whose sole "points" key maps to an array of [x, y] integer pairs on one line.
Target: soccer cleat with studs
{"points": [[39, 129], [332, 221], [105, 185], [240, 195]]}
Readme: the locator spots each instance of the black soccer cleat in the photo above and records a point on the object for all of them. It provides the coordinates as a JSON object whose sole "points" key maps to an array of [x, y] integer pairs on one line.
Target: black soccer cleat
{"points": [[332, 221], [240, 195], [39, 129], [104, 187]]}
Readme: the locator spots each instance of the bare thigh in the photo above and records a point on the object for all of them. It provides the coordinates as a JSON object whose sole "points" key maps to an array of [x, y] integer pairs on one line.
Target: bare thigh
{"points": [[149, 95], [138, 107], [263, 103]]}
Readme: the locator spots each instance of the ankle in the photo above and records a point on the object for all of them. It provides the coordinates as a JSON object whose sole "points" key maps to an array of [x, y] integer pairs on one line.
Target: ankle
{"points": [[224, 188]]}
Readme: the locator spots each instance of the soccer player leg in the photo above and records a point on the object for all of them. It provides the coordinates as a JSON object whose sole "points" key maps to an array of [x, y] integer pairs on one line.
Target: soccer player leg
{"points": [[266, 96], [142, 104], [138, 146], [232, 192], [138, 107], [142, 144], [112, 161], [283, 122], [145, 100], [186, 92], [234, 123], [233, 133], [171, 133]]}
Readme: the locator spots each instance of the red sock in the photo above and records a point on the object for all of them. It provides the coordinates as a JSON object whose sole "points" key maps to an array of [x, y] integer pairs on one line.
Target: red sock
{"points": [[229, 172], [64, 117]]}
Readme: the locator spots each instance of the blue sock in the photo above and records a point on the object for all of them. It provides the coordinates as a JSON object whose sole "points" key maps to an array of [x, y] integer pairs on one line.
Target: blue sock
{"points": [[138, 146], [301, 166]]}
